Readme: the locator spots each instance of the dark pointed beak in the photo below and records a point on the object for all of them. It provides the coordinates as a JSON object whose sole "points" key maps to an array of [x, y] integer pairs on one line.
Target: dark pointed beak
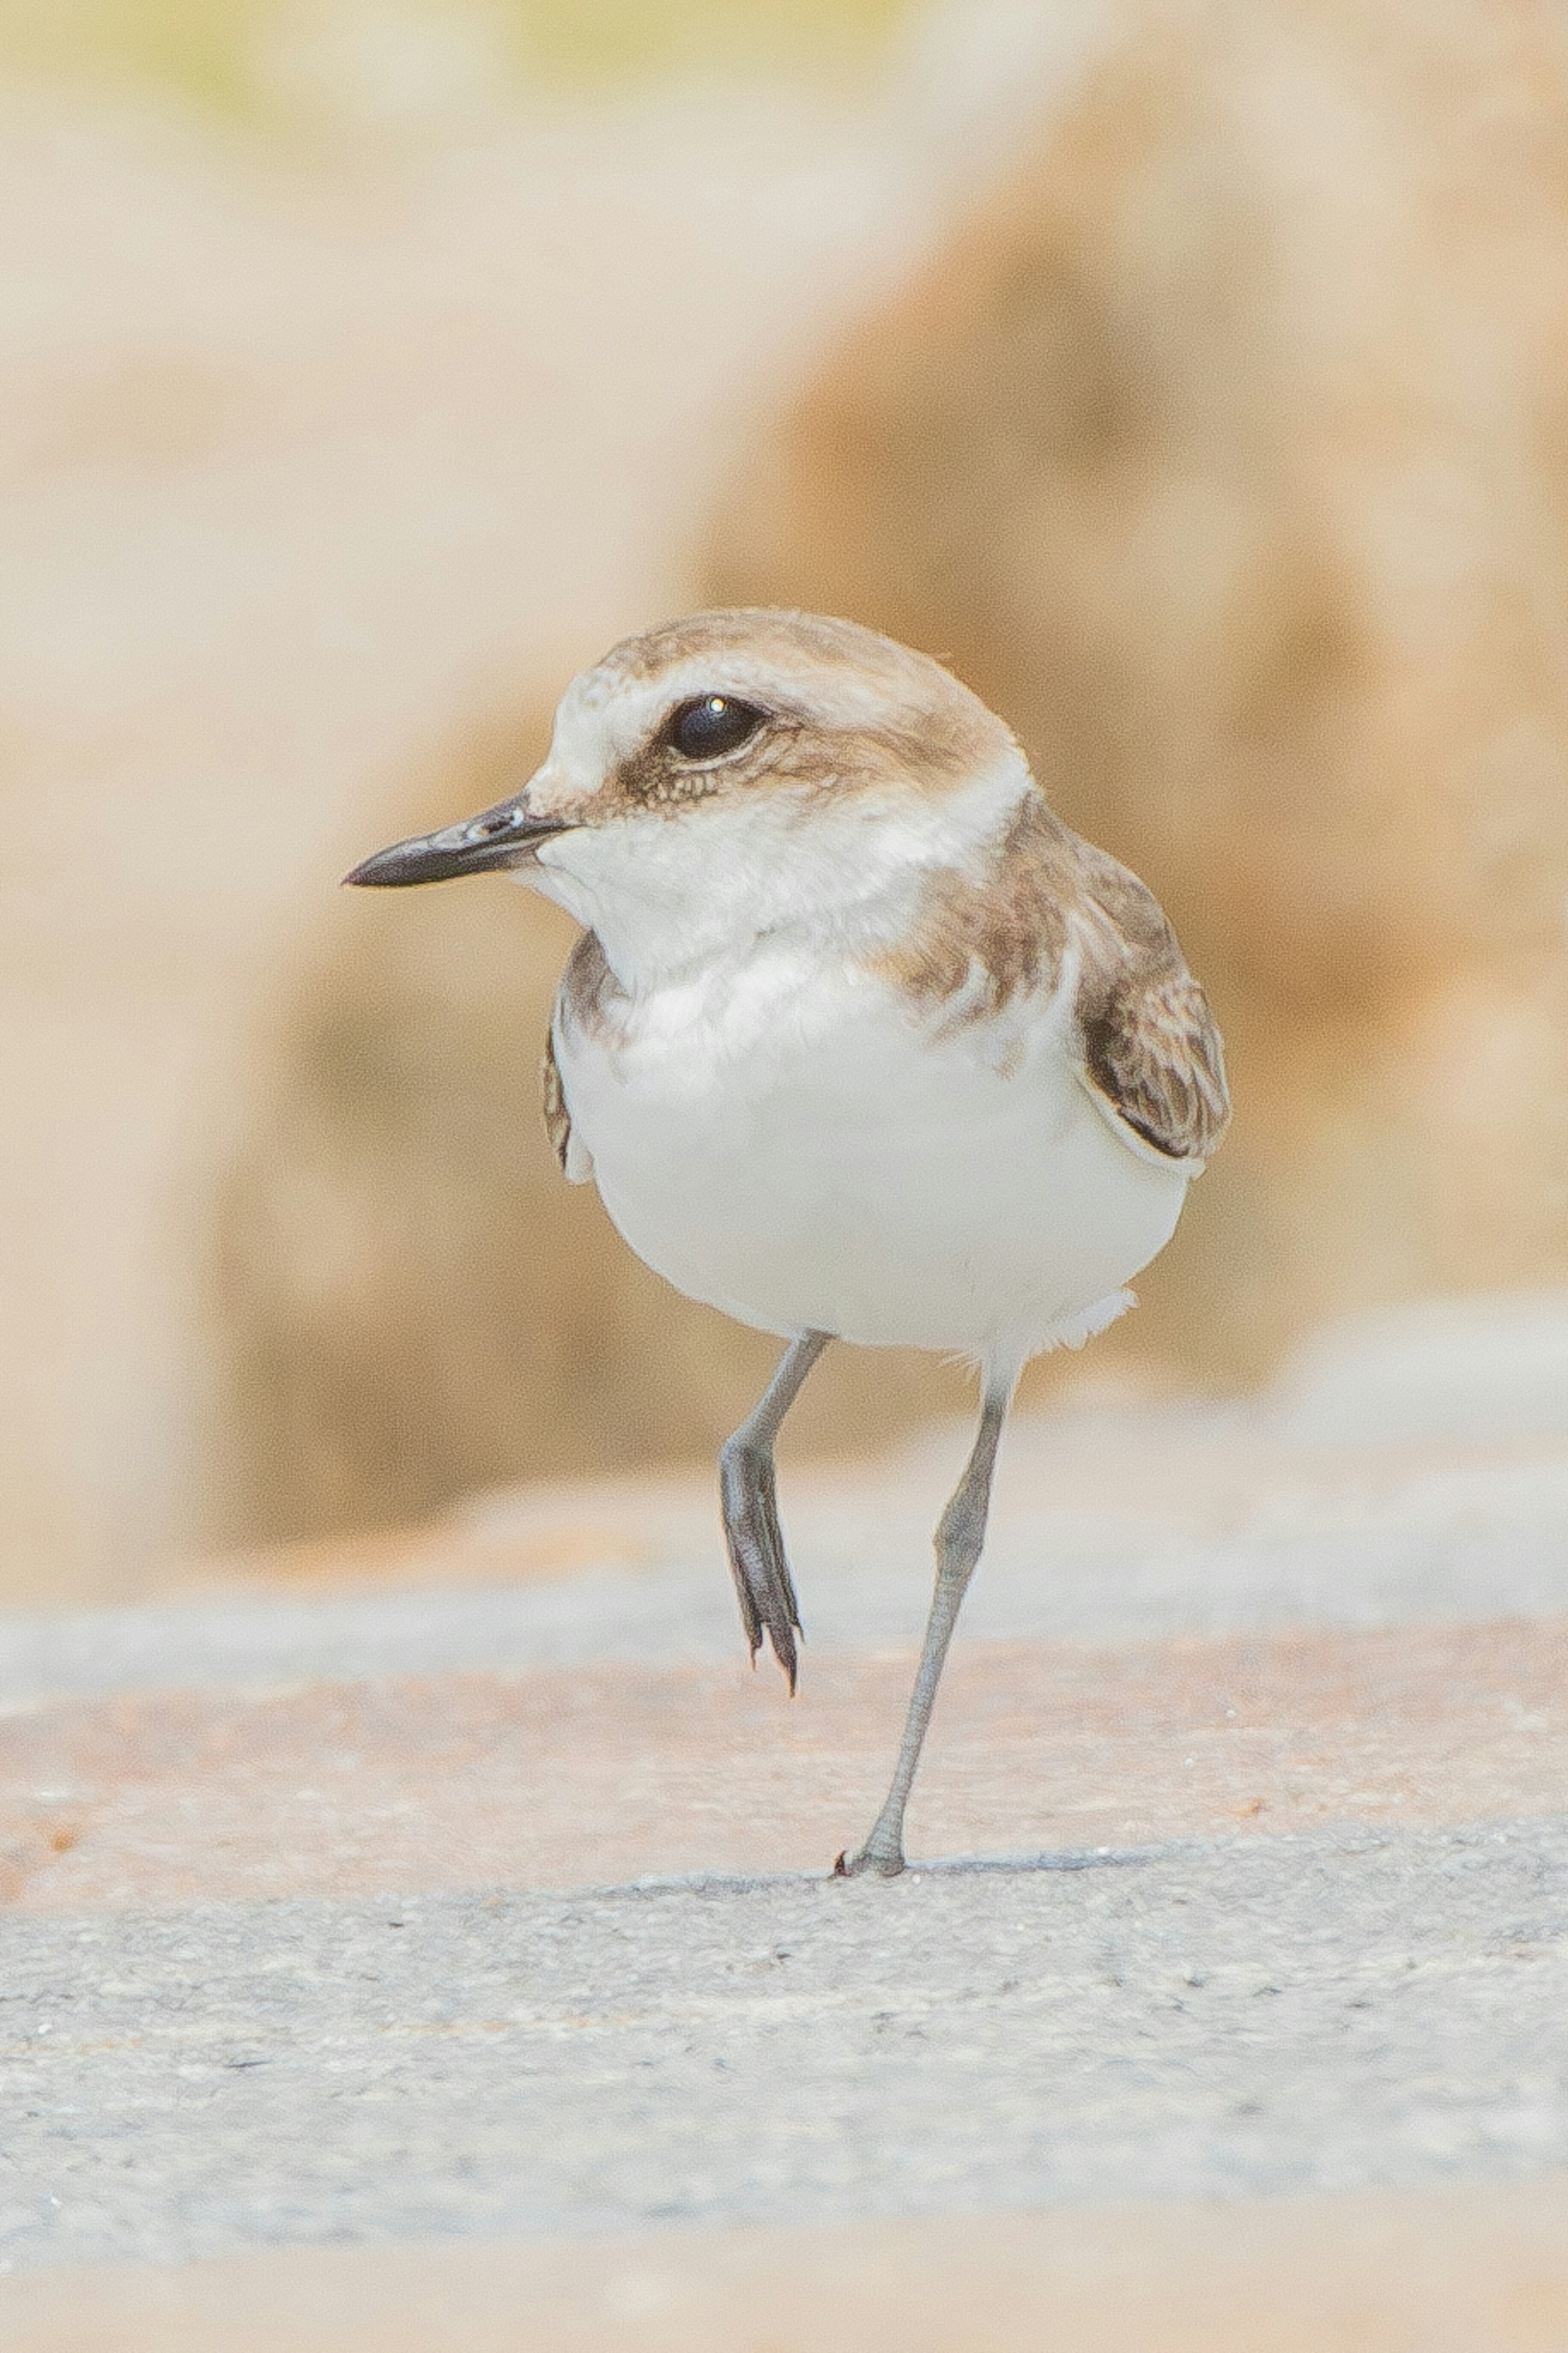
{"points": [[497, 838]]}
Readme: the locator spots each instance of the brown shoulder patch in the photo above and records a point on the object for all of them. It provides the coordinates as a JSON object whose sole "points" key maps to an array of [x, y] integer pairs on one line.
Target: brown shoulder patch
{"points": [[589, 992], [586, 1001], [983, 941], [1150, 1049]]}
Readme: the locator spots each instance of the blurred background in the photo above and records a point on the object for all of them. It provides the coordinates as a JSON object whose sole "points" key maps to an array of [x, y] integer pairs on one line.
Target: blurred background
{"points": [[1193, 379]]}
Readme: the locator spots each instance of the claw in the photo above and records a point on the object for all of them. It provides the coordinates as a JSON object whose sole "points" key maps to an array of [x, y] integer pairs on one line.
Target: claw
{"points": [[887, 1865]]}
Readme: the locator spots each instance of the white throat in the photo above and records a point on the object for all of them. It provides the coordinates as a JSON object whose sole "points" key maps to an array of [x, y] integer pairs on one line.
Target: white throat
{"points": [[665, 894]]}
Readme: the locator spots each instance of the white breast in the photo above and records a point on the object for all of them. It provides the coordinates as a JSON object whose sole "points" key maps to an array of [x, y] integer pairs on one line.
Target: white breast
{"points": [[786, 1139]]}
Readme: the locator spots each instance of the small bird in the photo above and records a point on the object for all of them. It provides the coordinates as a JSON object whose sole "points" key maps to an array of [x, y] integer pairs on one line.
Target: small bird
{"points": [[859, 1041]]}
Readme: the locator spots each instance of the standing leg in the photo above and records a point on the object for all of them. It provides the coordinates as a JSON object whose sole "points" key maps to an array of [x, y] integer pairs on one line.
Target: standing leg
{"points": [[960, 1532], [750, 1506]]}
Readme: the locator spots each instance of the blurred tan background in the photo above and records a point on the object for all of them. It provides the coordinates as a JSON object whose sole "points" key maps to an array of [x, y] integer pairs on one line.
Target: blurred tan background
{"points": [[1192, 377]]}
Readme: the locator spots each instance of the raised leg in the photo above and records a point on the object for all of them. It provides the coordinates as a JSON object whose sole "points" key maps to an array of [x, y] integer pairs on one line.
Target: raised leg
{"points": [[750, 1506], [961, 1533]]}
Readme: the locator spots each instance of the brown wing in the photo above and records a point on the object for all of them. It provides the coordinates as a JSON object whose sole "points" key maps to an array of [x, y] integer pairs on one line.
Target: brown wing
{"points": [[1151, 1055], [587, 1000], [552, 1100], [1150, 1049]]}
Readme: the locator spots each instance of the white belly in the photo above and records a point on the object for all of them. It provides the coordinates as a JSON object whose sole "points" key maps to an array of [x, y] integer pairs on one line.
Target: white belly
{"points": [[797, 1149]]}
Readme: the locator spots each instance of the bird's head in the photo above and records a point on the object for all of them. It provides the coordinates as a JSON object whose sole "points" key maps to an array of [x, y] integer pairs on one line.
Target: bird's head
{"points": [[732, 771]]}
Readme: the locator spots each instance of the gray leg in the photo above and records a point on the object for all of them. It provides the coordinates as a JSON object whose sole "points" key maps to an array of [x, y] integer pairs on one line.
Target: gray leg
{"points": [[750, 1510], [960, 1532]]}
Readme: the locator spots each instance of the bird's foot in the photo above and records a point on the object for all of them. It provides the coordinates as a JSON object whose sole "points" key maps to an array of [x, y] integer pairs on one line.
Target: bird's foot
{"points": [[757, 1559], [884, 1859]]}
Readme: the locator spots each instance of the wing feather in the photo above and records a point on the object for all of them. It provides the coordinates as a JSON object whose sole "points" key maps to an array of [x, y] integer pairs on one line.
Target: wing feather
{"points": [[1151, 1051], [587, 1000], [1150, 1054], [552, 1103]]}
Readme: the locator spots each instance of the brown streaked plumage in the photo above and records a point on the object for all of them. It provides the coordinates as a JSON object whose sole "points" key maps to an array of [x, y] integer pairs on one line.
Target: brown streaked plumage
{"points": [[938, 752], [1151, 1051], [552, 1103], [810, 644], [1150, 1045], [585, 999], [979, 938], [930, 731], [589, 991]]}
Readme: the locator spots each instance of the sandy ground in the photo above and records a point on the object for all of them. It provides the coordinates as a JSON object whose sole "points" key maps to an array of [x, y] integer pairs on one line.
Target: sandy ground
{"points": [[1467, 2272], [458, 1938]]}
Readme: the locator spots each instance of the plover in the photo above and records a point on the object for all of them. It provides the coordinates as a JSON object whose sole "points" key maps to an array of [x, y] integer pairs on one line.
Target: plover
{"points": [[859, 1041]]}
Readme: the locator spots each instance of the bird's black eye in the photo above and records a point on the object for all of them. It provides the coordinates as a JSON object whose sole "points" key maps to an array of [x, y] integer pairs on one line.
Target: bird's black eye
{"points": [[711, 725]]}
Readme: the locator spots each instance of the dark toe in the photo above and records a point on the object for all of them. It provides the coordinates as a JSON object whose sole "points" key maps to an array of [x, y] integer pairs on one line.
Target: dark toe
{"points": [[758, 1562]]}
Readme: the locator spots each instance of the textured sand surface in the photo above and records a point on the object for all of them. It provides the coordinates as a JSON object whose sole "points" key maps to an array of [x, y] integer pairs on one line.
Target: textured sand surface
{"points": [[441, 1928], [575, 1775]]}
